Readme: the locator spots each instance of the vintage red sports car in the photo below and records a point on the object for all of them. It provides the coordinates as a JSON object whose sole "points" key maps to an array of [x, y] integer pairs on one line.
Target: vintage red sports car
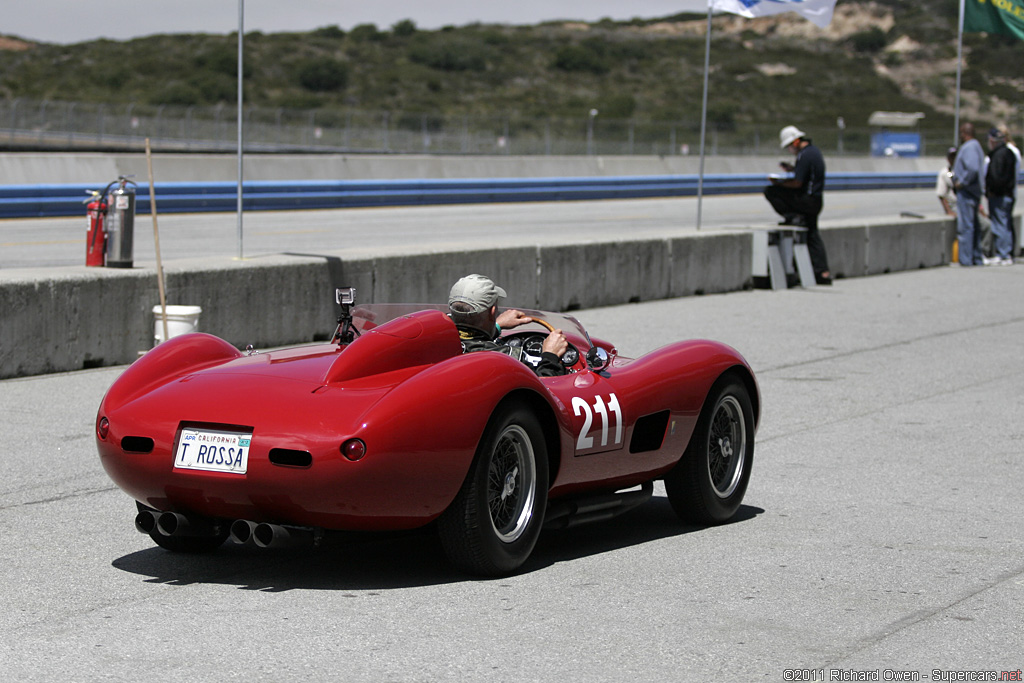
{"points": [[391, 426]]}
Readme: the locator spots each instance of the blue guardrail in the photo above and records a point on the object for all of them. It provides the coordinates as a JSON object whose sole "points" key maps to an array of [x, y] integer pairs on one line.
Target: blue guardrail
{"points": [[24, 201]]}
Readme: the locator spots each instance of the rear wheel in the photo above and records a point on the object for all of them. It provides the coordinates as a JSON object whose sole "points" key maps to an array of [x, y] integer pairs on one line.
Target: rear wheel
{"points": [[493, 524], [708, 484]]}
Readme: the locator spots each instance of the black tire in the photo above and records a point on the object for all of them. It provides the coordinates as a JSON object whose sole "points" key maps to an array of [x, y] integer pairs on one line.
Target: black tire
{"points": [[708, 484], [491, 527], [188, 544]]}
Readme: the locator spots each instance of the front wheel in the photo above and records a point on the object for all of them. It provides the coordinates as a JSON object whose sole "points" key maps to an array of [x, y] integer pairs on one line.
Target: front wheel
{"points": [[493, 524], [708, 483]]}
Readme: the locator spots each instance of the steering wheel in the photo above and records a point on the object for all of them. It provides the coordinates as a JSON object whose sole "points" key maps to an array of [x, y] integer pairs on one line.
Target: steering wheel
{"points": [[532, 343]]}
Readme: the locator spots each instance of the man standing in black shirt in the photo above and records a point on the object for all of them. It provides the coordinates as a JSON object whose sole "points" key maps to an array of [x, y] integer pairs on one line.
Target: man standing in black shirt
{"points": [[1000, 186], [798, 199]]}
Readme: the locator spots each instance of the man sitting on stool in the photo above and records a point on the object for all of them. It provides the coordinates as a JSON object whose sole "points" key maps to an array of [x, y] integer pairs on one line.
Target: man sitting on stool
{"points": [[798, 199]]}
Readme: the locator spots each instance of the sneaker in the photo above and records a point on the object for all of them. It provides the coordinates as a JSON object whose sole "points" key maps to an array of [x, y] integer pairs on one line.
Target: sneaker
{"points": [[990, 260], [1006, 261]]}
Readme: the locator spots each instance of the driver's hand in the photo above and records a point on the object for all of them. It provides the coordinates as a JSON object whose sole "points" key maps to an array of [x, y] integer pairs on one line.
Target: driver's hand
{"points": [[556, 343], [512, 318]]}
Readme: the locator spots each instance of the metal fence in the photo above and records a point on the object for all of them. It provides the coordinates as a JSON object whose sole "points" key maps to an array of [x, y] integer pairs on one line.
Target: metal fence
{"points": [[51, 125]]}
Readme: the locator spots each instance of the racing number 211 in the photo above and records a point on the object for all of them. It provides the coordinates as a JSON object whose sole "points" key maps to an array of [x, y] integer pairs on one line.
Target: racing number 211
{"points": [[581, 407]]}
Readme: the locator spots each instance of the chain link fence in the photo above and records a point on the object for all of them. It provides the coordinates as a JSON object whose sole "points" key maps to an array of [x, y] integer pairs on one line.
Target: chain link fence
{"points": [[56, 125]]}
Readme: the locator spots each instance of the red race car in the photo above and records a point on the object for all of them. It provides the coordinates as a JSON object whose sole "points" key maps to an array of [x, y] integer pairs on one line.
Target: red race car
{"points": [[391, 426]]}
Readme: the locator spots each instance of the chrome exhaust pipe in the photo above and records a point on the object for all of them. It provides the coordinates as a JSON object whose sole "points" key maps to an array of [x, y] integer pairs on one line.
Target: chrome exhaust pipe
{"points": [[145, 521], [277, 536], [177, 524], [242, 530]]}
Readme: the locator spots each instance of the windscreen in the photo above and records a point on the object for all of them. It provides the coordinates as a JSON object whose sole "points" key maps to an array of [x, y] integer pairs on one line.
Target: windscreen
{"points": [[368, 316]]}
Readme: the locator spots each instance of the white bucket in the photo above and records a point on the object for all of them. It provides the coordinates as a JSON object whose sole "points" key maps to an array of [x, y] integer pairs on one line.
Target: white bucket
{"points": [[180, 320]]}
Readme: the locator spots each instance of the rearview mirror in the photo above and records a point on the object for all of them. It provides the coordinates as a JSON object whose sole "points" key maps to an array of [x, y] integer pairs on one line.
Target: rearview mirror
{"points": [[597, 358]]}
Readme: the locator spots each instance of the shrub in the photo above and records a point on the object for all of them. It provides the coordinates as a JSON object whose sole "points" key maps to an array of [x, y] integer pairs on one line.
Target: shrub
{"points": [[325, 74], [404, 28], [176, 93], [365, 32], [618, 106], [870, 41], [222, 59], [581, 58], [449, 55], [333, 31]]}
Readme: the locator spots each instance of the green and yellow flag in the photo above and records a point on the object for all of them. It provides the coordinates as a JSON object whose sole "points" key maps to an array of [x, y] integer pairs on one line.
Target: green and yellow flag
{"points": [[995, 16]]}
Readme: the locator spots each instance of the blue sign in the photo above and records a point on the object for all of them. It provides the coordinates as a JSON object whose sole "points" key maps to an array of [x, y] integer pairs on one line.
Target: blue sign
{"points": [[896, 145]]}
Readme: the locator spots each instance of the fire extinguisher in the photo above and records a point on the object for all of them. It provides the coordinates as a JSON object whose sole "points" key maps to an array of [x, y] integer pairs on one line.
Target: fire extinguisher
{"points": [[96, 234]]}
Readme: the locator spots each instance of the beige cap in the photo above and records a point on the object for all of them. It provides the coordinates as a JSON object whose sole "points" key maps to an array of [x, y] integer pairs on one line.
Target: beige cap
{"points": [[479, 292]]}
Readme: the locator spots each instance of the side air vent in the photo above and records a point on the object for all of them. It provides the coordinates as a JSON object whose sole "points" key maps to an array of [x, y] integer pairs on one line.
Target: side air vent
{"points": [[137, 444], [286, 457], [649, 432]]}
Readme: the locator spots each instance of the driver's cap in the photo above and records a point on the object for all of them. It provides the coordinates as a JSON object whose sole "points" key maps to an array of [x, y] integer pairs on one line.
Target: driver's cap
{"points": [[477, 291]]}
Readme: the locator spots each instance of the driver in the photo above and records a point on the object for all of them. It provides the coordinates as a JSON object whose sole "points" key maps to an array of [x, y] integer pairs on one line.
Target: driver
{"points": [[473, 303]]}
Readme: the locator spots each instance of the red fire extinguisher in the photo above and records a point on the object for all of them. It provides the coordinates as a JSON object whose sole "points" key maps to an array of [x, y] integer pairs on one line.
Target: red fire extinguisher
{"points": [[96, 234]]}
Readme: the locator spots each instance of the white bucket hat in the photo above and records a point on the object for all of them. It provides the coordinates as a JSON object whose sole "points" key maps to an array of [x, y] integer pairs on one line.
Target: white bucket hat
{"points": [[788, 135]]}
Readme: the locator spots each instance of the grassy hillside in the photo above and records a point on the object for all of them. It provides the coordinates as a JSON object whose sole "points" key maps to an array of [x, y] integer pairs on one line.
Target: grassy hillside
{"points": [[885, 55]]}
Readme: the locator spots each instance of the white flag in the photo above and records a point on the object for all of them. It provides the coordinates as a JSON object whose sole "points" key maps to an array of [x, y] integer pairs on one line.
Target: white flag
{"points": [[819, 12]]}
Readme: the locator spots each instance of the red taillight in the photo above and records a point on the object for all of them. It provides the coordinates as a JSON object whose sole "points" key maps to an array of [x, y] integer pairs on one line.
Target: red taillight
{"points": [[353, 449], [103, 428]]}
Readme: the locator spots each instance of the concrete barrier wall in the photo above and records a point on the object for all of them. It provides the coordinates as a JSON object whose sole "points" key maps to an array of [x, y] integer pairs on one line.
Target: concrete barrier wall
{"points": [[857, 250], [89, 317]]}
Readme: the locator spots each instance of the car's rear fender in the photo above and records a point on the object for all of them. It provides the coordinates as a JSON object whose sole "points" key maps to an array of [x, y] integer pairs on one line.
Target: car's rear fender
{"points": [[446, 425], [173, 358], [557, 430]]}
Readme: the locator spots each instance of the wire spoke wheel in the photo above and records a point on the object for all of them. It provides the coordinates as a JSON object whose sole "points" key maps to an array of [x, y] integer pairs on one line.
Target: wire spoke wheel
{"points": [[493, 524], [726, 446], [511, 484], [708, 484]]}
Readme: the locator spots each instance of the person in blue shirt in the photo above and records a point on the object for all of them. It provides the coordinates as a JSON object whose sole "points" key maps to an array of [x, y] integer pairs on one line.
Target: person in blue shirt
{"points": [[967, 177]]}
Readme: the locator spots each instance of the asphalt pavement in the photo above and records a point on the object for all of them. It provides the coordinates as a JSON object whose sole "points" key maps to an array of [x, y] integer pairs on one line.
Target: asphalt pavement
{"points": [[879, 539], [352, 233]]}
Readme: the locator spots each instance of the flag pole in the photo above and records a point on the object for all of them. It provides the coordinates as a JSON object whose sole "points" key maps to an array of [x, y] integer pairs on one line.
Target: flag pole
{"points": [[704, 118], [241, 153], [959, 68]]}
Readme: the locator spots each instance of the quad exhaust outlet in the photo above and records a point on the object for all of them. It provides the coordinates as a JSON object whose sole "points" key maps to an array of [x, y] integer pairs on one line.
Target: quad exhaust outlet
{"points": [[242, 531]]}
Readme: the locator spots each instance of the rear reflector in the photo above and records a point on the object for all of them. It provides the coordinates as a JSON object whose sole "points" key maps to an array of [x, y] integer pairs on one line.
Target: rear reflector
{"points": [[353, 449]]}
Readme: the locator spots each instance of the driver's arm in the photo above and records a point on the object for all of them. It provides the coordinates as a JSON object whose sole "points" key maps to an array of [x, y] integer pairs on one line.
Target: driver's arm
{"points": [[555, 343], [506, 320]]}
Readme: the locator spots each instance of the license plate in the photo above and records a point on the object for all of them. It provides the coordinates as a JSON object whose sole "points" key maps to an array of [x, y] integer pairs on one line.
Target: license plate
{"points": [[213, 450]]}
